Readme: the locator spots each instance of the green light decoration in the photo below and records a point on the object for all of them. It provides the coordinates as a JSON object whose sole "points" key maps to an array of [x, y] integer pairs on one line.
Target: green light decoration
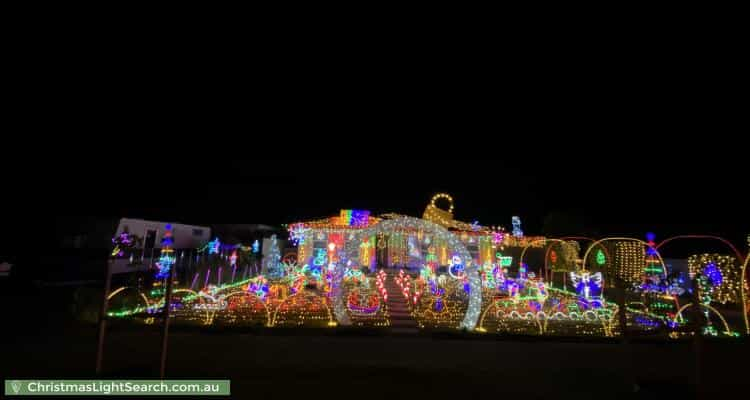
{"points": [[505, 261], [600, 258]]}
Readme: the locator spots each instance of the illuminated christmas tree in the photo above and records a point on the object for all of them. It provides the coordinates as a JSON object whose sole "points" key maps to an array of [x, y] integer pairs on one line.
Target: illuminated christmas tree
{"points": [[653, 264], [166, 258], [272, 267]]}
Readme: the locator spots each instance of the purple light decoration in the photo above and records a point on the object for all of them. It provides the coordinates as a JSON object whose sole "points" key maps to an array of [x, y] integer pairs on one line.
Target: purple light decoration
{"points": [[208, 273], [234, 269], [195, 279], [439, 305], [219, 278]]}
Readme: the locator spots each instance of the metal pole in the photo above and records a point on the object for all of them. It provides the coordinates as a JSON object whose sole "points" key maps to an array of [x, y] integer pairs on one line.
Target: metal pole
{"points": [[103, 318], [165, 331]]}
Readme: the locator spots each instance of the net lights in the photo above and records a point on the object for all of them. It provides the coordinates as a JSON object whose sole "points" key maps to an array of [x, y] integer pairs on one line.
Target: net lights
{"points": [[723, 280]]}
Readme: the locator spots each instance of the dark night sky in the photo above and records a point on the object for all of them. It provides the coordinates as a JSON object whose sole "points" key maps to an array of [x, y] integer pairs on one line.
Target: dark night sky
{"points": [[605, 193]]}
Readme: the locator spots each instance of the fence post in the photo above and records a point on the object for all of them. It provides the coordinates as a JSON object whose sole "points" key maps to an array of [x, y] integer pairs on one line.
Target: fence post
{"points": [[103, 317]]}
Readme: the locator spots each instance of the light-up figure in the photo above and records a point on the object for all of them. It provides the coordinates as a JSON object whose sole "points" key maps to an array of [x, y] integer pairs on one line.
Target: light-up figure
{"points": [[587, 285], [166, 259], [516, 221], [256, 247], [213, 246], [233, 258], [456, 268]]}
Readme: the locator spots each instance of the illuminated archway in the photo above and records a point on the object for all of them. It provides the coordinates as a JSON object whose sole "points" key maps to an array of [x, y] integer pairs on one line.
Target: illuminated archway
{"points": [[410, 223], [721, 239], [600, 241], [142, 296], [724, 321], [309, 297], [253, 296], [739, 257]]}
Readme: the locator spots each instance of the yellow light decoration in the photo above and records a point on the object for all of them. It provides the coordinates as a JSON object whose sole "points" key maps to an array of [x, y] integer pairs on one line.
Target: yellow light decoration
{"points": [[437, 215]]}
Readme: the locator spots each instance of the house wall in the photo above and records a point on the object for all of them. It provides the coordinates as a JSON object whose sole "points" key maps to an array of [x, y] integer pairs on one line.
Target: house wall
{"points": [[185, 236]]}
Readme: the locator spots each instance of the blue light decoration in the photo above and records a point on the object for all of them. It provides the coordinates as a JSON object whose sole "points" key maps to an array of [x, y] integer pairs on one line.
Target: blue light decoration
{"points": [[256, 246], [516, 221], [651, 250], [439, 304], [320, 257], [258, 286], [166, 258], [713, 274], [456, 268], [214, 246]]}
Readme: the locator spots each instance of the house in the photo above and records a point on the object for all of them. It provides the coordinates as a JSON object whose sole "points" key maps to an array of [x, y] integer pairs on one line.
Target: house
{"points": [[147, 245]]}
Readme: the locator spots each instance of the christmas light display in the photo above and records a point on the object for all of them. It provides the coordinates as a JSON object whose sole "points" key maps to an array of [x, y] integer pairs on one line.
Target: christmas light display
{"points": [[653, 266], [452, 275], [167, 258], [724, 283], [123, 241], [272, 261], [214, 246], [601, 259], [516, 221], [587, 285], [415, 224]]}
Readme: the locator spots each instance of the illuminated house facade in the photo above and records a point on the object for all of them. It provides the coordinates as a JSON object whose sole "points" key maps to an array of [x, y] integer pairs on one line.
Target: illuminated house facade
{"points": [[320, 242]]}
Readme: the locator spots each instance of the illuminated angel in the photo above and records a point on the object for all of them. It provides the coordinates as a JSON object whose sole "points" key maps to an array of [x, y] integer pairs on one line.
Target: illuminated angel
{"points": [[587, 284]]}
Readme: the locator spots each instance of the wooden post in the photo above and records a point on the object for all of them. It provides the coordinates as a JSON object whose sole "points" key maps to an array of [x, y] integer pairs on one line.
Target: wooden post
{"points": [[165, 330], [698, 324], [103, 317]]}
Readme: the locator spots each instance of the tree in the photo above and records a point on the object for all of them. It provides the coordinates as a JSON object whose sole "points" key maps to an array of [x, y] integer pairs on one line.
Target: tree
{"points": [[272, 261]]}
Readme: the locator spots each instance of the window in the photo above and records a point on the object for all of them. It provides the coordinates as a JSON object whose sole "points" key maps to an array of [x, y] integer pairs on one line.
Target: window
{"points": [[197, 232], [150, 239]]}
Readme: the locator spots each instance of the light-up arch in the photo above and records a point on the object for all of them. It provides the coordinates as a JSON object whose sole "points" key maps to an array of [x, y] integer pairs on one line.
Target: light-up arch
{"points": [[739, 258], [402, 223], [600, 241], [678, 315], [721, 239]]}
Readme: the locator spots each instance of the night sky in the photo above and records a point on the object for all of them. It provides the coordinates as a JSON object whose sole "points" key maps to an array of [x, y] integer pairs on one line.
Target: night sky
{"points": [[597, 193]]}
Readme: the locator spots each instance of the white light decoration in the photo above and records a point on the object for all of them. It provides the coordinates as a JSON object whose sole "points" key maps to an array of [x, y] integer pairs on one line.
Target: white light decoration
{"points": [[403, 223], [516, 221]]}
